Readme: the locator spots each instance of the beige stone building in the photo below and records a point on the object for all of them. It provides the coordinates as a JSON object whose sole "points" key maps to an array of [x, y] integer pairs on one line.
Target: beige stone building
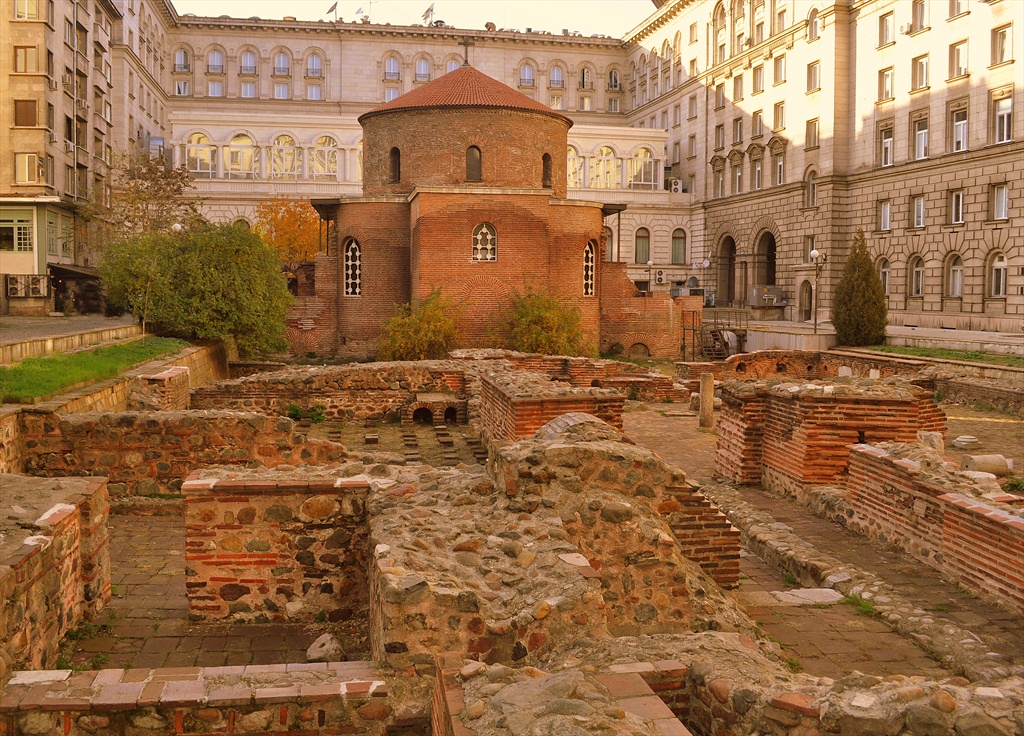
{"points": [[739, 135]]}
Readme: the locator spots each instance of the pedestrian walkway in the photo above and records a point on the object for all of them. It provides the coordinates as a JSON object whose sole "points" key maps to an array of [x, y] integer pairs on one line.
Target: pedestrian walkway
{"points": [[21, 329]]}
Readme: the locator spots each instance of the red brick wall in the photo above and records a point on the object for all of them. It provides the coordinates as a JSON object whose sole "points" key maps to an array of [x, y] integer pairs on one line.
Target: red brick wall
{"points": [[433, 145], [740, 429], [286, 550], [704, 534]]}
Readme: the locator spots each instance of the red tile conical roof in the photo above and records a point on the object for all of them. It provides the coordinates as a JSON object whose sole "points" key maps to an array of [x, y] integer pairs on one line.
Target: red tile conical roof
{"points": [[464, 87]]}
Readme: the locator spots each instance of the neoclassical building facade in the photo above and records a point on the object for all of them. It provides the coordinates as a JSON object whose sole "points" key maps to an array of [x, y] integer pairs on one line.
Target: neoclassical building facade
{"points": [[730, 138]]}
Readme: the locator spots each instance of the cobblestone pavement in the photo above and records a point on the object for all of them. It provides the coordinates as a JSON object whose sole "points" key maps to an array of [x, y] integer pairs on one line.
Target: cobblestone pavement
{"points": [[816, 635], [19, 329], [146, 623]]}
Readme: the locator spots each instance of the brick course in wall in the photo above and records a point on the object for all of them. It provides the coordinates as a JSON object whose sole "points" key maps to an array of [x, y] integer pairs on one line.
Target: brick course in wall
{"points": [[283, 550]]}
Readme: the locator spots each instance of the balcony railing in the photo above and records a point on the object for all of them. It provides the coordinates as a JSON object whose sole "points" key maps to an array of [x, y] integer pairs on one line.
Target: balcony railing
{"points": [[249, 70], [282, 71], [314, 73], [182, 67], [392, 76], [214, 68]]}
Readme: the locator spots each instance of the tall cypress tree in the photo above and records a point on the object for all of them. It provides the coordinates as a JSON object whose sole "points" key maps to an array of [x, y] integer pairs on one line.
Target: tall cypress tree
{"points": [[859, 311]]}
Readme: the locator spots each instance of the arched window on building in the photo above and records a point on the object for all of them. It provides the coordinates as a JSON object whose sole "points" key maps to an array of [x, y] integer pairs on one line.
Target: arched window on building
{"points": [[324, 161], [396, 165], [679, 246], [241, 158], [282, 65], [247, 64], [555, 78], [609, 244], [182, 61], [574, 168], [586, 79], [642, 246], [545, 164], [199, 155], [215, 62], [719, 31], [605, 169], [915, 274], [353, 268], [643, 170], [422, 70], [811, 189], [954, 276], [813, 25], [613, 80], [883, 274], [285, 158], [474, 164], [997, 272], [453, 65], [526, 75], [589, 268], [391, 69], [314, 66], [485, 243]]}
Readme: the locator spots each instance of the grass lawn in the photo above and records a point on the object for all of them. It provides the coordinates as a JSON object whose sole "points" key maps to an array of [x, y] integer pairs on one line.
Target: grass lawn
{"points": [[37, 377], [973, 356]]}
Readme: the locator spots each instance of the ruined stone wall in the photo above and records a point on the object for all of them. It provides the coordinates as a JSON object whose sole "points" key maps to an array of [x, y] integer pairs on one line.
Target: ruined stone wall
{"points": [[167, 390], [150, 453], [283, 550], [58, 577], [965, 537], [348, 393], [1005, 397], [514, 405], [10, 440], [704, 534], [740, 430]]}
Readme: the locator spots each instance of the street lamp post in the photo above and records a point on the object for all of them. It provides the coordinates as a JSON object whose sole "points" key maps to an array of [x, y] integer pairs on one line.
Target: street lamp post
{"points": [[819, 260], [650, 284]]}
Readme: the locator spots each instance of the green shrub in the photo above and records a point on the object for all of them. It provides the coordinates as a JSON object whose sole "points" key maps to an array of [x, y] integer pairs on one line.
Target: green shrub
{"points": [[859, 311], [294, 412], [318, 414], [538, 322], [425, 333]]}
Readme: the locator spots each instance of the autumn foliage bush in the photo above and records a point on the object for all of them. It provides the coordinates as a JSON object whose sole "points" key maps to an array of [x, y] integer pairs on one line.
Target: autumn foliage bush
{"points": [[426, 332]]}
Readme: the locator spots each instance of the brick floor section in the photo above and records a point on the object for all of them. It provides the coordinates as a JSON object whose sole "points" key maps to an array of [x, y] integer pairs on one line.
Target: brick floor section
{"points": [[146, 623], [853, 641]]}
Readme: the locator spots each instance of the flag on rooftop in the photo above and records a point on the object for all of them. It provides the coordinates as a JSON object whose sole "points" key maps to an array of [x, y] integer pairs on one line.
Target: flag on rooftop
{"points": [[429, 12], [359, 11], [332, 8]]}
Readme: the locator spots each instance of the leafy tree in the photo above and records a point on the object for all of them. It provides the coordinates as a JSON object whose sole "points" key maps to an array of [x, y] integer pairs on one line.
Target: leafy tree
{"points": [[145, 197], [208, 283], [427, 332], [859, 311], [291, 227], [540, 323]]}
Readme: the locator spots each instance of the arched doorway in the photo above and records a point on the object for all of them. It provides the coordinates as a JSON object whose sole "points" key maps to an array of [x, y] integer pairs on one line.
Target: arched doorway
{"points": [[764, 260], [805, 301], [726, 272], [423, 416]]}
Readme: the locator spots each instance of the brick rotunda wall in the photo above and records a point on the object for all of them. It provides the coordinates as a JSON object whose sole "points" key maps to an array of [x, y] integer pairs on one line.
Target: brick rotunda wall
{"points": [[287, 550]]}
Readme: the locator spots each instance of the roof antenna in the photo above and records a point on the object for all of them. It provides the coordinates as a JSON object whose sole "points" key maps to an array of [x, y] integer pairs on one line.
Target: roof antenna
{"points": [[466, 43]]}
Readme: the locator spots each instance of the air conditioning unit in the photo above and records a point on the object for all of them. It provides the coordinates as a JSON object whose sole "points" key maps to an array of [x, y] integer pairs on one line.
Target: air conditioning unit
{"points": [[676, 185], [52, 83], [39, 286], [905, 29], [53, 137], [659, 277], [69, 146], [67, 79], [82, 104]]}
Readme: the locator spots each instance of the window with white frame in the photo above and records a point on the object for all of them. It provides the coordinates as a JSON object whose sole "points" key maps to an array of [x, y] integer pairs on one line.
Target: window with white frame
{"points": [[920, 138], [16, 231], [248, 63], [811, 134], [958, 59], [282, 65], [886, 28], [182, 61], [452, 65], [605, 169], [643, 170], [642, 246], [737, 176], [555, 78], [589, 268], [691, 146], [917, 207], [27, 9], [1002, 113], [719, 96], [324, 159], [918, 16], [956, 7], [613, 104], [919, 72], [780, 69], [955, 276], [313, 92], [182, 88], [956, 207], [885, 215], [422, 70], [199, 156], [556, 102], [737, 88], [248, 90], [758, 74], [691, 107], [1000, 201], [215, 89], [779, 166], [215, 62], [814, 76], [679, 246], [314, 66], [757, 124], [718, 179], [485, 243], [391, 69], [1001, 44], [883, 274], [241, 158], [780, 19], [756, 173], [886, 146], [885, 84], [958, 120], [813, 26], [281, 91], [526, 75], [780, 116], [811, 190], [26, 168], [353, 268], [737, 130], [998, 270], [285, 158], [390, 93], [719, 136], [916, 273]]}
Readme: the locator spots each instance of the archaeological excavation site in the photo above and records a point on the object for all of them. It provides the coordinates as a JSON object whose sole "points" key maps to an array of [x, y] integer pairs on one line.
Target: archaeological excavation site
{"points": [[503, 544]]}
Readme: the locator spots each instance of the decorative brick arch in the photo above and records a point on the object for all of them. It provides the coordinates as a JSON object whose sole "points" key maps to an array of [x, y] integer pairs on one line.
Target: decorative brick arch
{"points": [[437, 410], [762, 225]]}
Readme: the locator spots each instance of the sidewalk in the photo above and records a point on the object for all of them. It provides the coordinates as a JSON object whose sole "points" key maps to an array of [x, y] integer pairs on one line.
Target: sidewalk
{"points": [[20, 329]]}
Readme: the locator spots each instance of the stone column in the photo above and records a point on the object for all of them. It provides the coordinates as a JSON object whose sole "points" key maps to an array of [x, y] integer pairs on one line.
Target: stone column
{"points": [[707, 401]]}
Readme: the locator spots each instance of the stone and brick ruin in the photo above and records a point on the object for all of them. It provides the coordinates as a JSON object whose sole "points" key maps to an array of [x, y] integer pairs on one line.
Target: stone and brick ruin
{"points": [[575, 583]]}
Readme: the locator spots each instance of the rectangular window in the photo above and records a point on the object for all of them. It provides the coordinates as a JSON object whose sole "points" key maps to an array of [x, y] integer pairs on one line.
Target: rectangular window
{"points": [[181, 88], [216, 89], [390, 93], [613, 104], [779, 166], [691, 146], [248, 90], [757, 125], [719, 96], [693, 67], [919, 72], [737, 130], [885, 84], [957, 59], [26, 168], [664, 119], [25, 113], [26, 59], [755, 174], [759, 32], [758, 79], [1000, 44], [956, 7], [917, 16], [780, 116], [956, 207], [1002, 111], [556, 102], [918, 210], [959, 125], [737, 179], [693, 33], [691, 107], [675, 152], [737, 87], [719, 137], [813, 76], [26, 9], [313, 92], [584, 104], [920, 138], [281, 91], [812, 133], [1001, 202], [780, 20], [719, 178], [998, 275], [677, 115], [780, 69], [885, 215], [885, 154]]}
